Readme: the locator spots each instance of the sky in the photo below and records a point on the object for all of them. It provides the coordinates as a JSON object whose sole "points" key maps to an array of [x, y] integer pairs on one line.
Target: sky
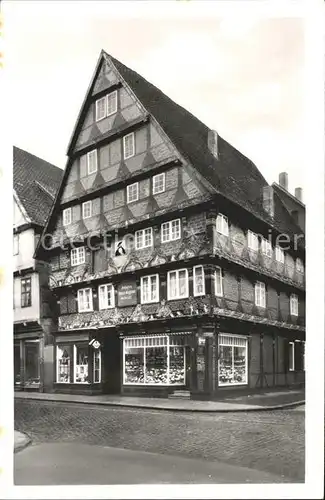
{"points": [[242, 75]]}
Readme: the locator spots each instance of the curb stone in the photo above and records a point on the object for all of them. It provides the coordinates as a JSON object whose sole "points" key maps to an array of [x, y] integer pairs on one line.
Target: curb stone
{"points": [[24, 441], [165, 408]]}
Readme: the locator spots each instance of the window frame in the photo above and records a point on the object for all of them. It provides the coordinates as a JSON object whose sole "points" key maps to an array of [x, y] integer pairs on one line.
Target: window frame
{"points": [[75, 347], [215, 281], [128, 192], [102, 307], [169, 223], [149, 277], [266, 245], [101, 99], [232, 337], [97, 351], [114, 93], [65, 212], [224, 224], [279, 251], [195, 294], [133, 146], [78, 252], [143, 238], [156, 177], [259, 295], [177, 297], [80, 292], [294, 305], [251, 236], [69, 347], [26, 293], [94, 153], [84, 205], [291, 360]]}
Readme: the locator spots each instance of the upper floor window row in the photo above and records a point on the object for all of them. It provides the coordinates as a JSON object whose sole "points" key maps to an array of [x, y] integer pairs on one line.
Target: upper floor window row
{"points": [[106, 106], [158, 186]]}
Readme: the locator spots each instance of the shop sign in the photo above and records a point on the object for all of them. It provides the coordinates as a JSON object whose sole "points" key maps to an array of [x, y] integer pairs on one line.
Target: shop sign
{"points": [[127, 294], [95, 343]]}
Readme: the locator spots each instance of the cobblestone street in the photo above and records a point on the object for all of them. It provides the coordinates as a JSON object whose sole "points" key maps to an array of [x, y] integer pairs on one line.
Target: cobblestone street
{"points": [[271, 442]]}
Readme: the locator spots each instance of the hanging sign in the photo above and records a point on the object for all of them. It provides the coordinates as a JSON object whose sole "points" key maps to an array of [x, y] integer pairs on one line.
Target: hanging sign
{"points": [[95, 343]]}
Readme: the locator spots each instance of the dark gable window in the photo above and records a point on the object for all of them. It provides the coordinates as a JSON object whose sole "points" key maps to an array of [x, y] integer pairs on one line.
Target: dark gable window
{"points": [[26, 292]]}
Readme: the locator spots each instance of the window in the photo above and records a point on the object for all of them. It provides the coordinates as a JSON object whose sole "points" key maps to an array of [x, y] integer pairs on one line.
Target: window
{"points": [[132, 192], [279, 254], [252, 241], [85, 300], [111, 103], [63, 361], [80, 368], [158, 360], [149, 289], [266, 247], [232, 365], [26, 292], [106, 296], [92, 161], [143, 238], [177, 284], [97, 375], [291, 356], [86, 209], [72, 364], [299, 266], [171, 230], [16, 244], [293, 305], [67, 216], [77, 256], [260, 294], [32, 363], [128, 146], [198, 281], [222, 225], [100, 108], [158, 183], [218, 288]]}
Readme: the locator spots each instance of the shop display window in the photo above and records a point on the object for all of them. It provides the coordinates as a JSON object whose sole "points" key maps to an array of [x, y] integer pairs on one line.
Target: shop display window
{"points": [[63, 357], [32, 362], [156, 360], [232, 360], [97, 366], [80, 364]]}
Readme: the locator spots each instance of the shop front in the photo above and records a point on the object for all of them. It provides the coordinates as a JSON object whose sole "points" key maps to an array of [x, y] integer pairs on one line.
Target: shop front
{"points": [[27, 364]]}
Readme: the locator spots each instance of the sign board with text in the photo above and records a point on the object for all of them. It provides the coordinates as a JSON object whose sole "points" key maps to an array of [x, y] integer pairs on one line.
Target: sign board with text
{"points": [[127, 294]]}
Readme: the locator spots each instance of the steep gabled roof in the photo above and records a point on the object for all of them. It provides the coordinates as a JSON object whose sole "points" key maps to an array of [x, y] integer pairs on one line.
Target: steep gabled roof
{"points": [[232, 174], [35, 182]]}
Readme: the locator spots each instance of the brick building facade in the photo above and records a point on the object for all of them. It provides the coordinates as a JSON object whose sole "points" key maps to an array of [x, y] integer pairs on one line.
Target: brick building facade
{"points": [[166, 255]]}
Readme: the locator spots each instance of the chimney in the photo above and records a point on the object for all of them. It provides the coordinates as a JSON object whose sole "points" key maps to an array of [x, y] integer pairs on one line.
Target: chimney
{"points": [[283, 180], [213, 143], [298, 194], [268, 200]]}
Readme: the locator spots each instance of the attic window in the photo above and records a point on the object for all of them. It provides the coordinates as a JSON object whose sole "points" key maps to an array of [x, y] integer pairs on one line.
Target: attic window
{"points": [[106, 106], [92, 161]]}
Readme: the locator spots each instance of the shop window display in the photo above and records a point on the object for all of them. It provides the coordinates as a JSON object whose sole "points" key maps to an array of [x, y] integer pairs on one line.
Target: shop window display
{"points": [[154, 361], [63, 357], [232, 360], [81, 364]]}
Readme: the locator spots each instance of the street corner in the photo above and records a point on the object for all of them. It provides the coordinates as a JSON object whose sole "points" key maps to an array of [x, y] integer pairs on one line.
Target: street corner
{"points": [[21, 440]]}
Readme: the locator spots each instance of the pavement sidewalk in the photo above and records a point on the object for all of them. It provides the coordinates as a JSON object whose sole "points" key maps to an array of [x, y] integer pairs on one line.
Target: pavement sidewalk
{"points": [[260, 401]]}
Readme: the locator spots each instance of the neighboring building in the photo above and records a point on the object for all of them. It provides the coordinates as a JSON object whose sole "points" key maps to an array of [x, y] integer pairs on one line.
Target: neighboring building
{"points": [[35, 182], [293, 203], [190, 297]]}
